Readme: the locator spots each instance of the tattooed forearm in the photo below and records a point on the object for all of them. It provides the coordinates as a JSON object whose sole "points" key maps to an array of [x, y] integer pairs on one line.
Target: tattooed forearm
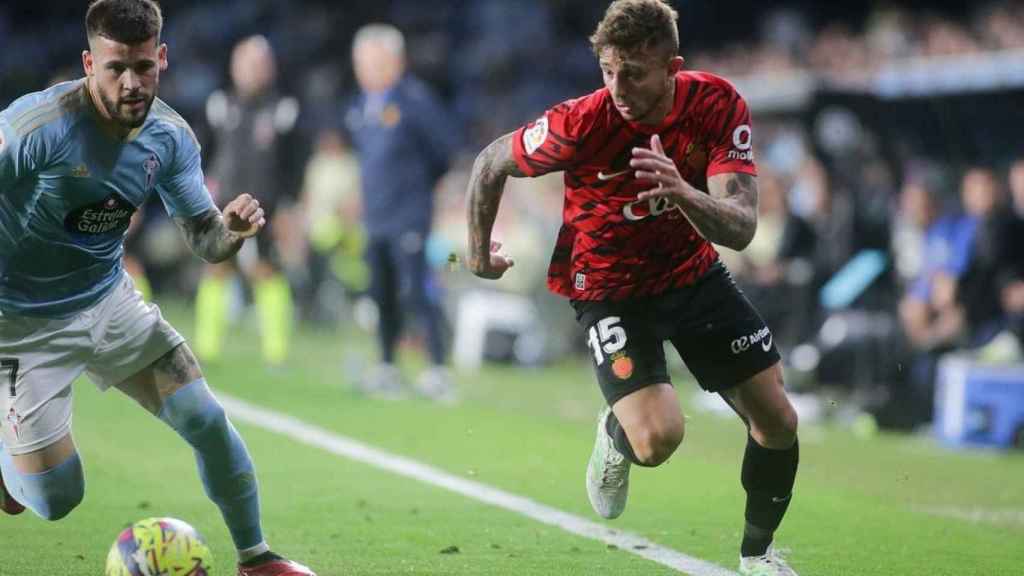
{"points": [[727, 215], [209, 237], [486, 184]]}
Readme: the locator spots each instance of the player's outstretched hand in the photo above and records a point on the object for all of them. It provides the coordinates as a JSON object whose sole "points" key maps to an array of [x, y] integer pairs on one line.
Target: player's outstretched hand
{"points": [[494, 266], [655, 166], [244, 216]]}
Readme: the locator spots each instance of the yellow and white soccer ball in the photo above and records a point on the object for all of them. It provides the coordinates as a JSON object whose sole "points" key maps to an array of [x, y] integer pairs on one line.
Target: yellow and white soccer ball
{"points": [[159, 546]]}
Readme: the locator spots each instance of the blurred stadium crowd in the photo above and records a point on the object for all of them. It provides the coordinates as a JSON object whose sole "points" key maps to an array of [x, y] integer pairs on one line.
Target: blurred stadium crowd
{"points": [[888, 139]]}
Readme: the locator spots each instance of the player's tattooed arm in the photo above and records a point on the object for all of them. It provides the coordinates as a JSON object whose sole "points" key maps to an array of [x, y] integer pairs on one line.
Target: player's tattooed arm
{"points": [[486, 183], [208, 236], [727, 215], [215, 237]]}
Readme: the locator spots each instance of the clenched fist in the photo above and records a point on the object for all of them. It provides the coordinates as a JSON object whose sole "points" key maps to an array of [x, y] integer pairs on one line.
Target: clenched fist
{"points": [[243, 216]]}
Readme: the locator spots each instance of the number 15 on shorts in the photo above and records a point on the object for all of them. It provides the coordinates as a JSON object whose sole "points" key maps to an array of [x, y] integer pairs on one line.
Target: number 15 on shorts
{"points": [[606, 337]]}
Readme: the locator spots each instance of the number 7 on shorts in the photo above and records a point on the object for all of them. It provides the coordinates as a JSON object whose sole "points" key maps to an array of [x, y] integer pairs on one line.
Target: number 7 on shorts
{"points": [[10, 364]]}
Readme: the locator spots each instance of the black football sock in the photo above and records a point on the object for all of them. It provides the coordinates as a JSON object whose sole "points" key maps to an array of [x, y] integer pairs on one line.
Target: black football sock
{"points": [[618, 434], [768, 476]]}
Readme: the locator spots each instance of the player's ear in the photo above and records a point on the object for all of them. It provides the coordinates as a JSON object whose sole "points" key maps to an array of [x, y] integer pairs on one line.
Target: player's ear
{"points": [[87, 62], [675, 64], [161, 57]]}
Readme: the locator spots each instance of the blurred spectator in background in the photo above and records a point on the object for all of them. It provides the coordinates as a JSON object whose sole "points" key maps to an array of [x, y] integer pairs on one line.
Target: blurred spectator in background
{"points": [[921, 203], [952, 303], [332, 212], [256, 152], [929, 241], [830, 215], [775, 269], [404, 140], [1012, 285], [991, 255]]}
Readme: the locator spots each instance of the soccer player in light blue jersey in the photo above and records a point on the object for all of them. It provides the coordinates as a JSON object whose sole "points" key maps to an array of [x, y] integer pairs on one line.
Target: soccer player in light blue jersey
{"points": [[75, 162]]}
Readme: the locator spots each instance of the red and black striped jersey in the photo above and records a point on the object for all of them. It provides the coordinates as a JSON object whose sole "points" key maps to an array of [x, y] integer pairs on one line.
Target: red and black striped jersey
{"points": [[612, 246]]}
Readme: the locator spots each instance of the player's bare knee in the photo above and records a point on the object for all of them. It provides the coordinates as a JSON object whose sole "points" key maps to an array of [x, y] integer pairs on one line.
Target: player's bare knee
{"points": [[786, 424], [790, 421], [655, 445], [779, 430]]}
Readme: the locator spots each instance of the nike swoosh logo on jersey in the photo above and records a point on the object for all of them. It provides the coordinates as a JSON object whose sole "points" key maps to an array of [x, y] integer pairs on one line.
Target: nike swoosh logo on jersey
{"points": [[603, 176], [778, 500]]}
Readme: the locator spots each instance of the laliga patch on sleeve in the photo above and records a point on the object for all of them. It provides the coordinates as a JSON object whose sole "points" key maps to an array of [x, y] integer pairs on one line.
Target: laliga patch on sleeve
{"points": [[535, 136]]}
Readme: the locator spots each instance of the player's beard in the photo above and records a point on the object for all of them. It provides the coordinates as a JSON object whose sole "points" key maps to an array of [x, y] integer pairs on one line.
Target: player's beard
{"points": [[122, 114]]}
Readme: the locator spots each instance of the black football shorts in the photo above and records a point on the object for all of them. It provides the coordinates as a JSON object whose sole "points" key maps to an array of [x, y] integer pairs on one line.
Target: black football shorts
{"points": [[714, 328]]}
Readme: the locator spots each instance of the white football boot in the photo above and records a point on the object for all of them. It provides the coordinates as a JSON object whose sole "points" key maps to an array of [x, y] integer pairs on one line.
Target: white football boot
{"points": [[607, 473], [771, 564], [383, 381], [435, 383]]}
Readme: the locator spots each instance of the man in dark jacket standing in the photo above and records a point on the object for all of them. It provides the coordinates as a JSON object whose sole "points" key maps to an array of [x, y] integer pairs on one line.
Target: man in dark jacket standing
{"points": [[257, 152], [404, 139]]}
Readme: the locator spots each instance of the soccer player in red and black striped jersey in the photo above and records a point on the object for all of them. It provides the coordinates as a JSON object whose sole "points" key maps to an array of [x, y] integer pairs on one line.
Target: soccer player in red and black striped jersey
{"points": [[658, 167]]}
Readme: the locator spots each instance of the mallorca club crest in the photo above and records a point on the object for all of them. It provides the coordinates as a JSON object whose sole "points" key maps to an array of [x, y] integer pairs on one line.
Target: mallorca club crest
{"points": [[622, 366], [151, 166]]}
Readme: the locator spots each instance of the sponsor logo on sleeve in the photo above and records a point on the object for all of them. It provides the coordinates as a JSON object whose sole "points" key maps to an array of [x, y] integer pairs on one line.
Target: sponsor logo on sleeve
{"points": [[536, 135], [741, 142]]}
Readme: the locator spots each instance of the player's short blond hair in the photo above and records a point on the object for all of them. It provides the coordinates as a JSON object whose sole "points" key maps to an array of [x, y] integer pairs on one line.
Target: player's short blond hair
{"points": [[637, 24]]}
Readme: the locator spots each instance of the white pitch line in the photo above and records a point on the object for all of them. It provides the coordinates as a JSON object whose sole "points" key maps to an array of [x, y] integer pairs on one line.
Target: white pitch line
{"points": [[353, 449], [979, 515]]}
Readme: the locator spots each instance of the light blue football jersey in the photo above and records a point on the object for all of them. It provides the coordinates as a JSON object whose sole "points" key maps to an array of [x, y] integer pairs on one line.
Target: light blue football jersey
{"points": [[68, 190]]}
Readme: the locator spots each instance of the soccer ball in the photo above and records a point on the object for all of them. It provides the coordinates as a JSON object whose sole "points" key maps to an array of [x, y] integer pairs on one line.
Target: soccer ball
{"points": [[159, 547]]}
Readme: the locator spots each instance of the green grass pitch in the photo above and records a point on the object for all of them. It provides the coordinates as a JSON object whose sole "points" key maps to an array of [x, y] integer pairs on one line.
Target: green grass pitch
{"points": [[862, 507]]}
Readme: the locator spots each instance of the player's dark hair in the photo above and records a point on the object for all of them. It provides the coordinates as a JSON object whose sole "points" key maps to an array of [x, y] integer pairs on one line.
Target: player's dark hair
{"points": [[124, 21], [629, 25]]}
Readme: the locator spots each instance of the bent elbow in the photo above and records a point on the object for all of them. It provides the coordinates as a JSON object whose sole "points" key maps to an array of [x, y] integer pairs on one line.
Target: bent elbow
{"points": [[745, 238]]}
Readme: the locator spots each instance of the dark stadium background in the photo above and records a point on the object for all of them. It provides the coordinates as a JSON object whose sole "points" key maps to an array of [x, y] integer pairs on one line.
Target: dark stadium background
{"points": [[836, 88]]}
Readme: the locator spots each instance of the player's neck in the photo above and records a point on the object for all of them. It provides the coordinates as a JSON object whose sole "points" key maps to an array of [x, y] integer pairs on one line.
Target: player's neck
{"points": [[106, 123]]}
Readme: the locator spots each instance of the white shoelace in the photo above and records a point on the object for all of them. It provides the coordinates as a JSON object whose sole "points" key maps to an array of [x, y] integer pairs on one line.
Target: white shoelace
{"points": [[614, 467]]}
